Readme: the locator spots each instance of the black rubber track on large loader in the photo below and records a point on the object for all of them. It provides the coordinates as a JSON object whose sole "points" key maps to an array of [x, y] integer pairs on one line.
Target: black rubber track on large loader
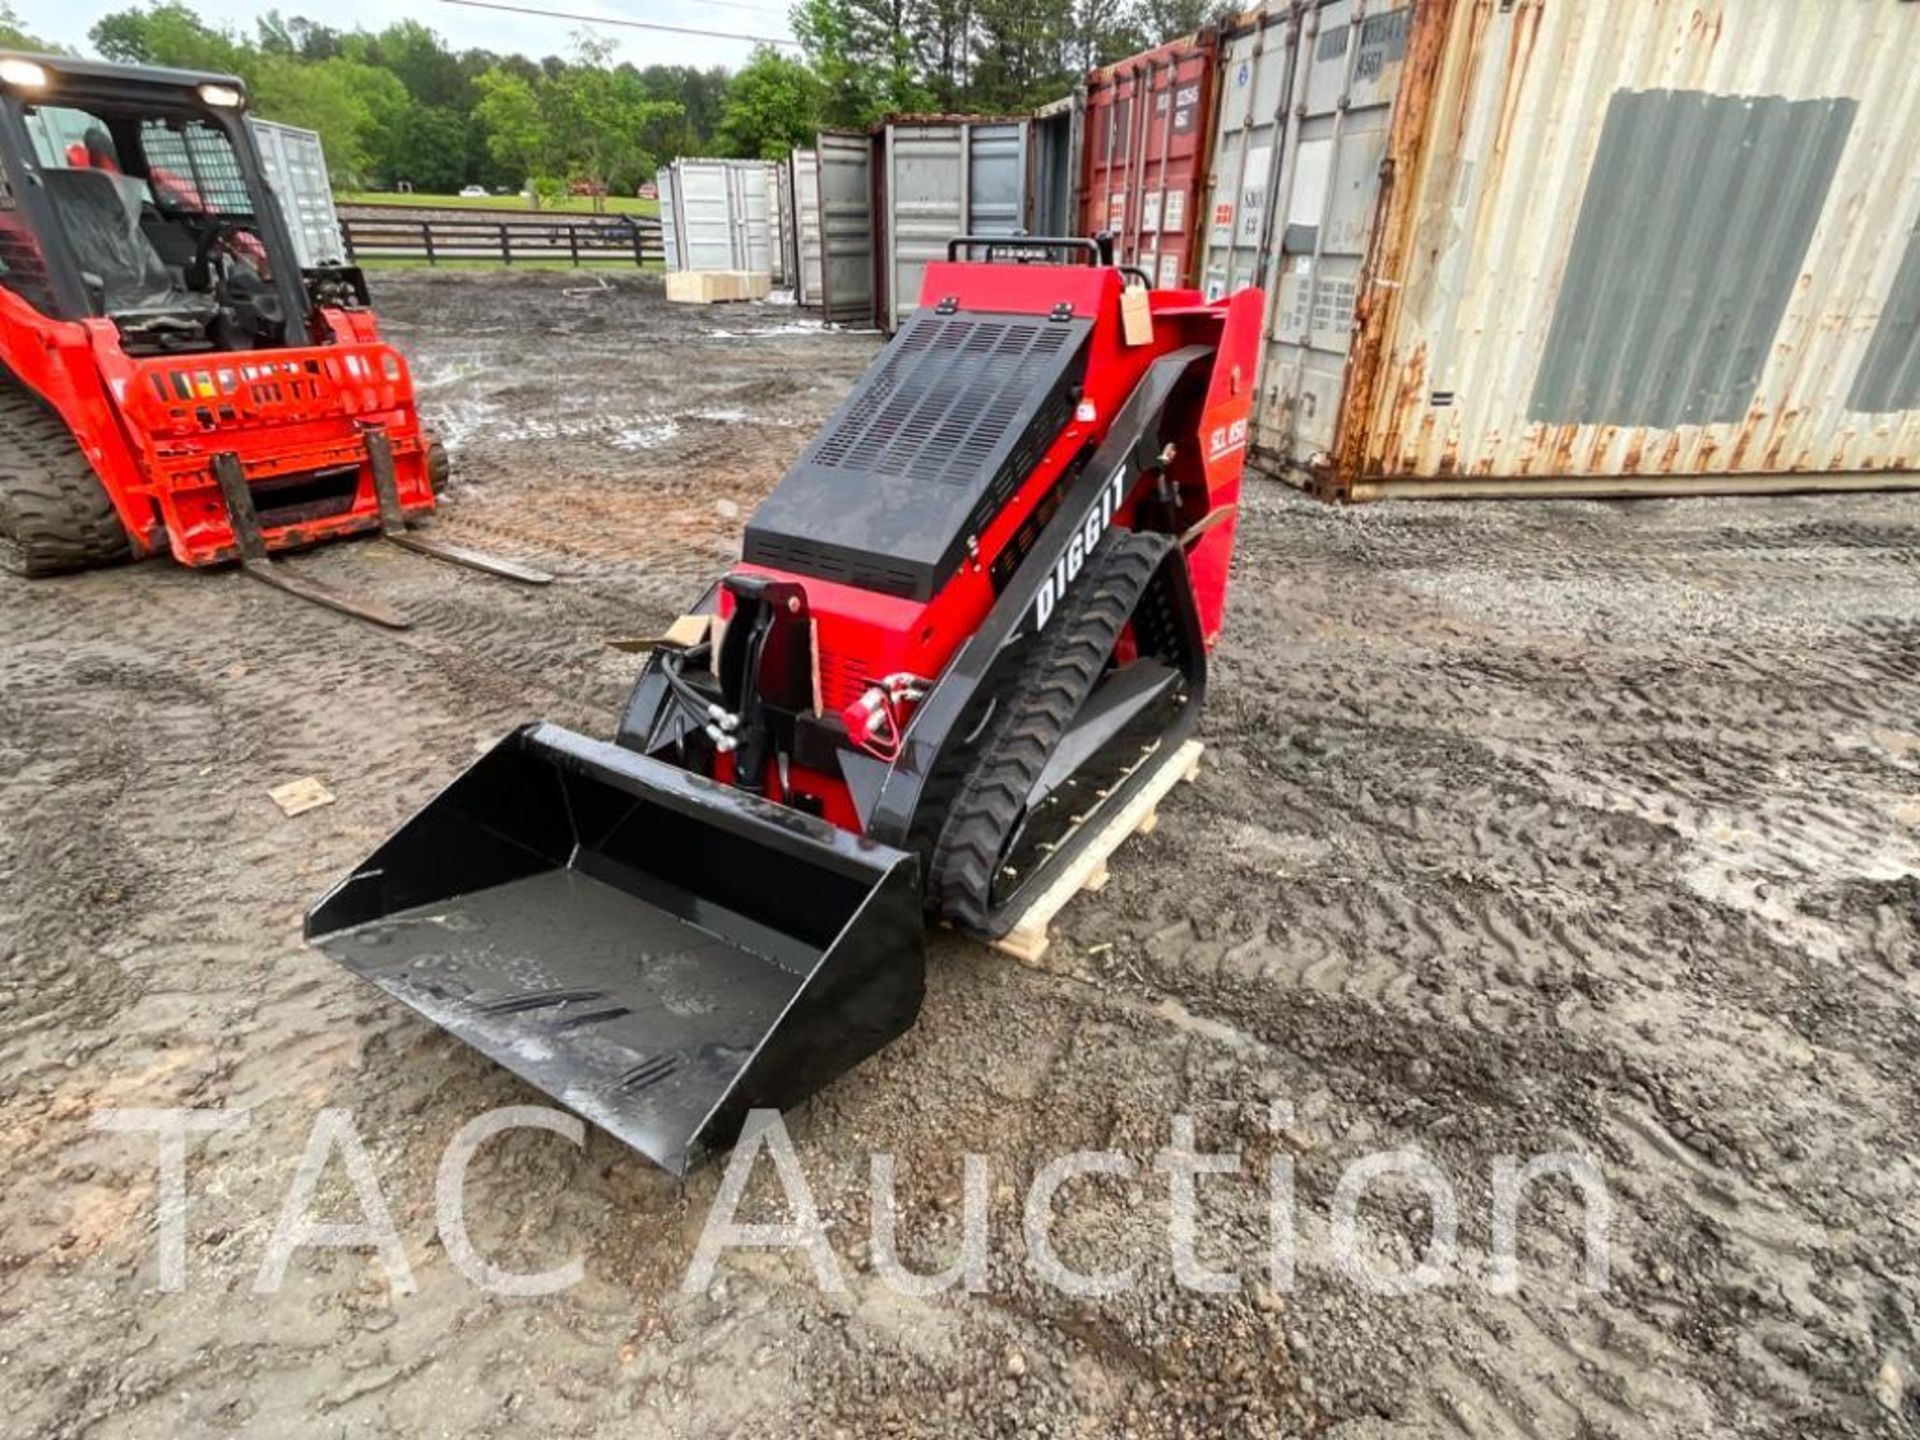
{"points": [[55, 515], [1036, 711]]}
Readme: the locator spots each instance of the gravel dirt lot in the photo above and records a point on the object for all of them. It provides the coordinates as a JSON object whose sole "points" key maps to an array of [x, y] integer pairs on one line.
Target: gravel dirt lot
{"points": [[1522, 829]]}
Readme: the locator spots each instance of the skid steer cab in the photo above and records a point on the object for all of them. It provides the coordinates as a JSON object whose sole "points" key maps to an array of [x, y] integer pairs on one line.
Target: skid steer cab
{"points": [[170, 378], [970, 629]]}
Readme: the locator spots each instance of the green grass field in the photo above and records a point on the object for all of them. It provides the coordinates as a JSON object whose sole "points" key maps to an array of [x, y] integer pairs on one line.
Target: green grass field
{"points": [[567, 205]]}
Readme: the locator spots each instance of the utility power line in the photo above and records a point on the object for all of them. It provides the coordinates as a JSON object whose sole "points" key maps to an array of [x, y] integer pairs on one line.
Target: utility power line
{"points": [[786, 42]]}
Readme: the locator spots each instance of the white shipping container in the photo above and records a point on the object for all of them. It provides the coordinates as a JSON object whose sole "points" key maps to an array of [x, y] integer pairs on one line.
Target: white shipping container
{"points": [[723, 215], [1575, 247], [296, 171]]}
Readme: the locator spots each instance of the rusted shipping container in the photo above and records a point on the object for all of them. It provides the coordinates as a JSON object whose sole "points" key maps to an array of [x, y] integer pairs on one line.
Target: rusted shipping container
{"points": [[1147, 133], [1574, 246]]}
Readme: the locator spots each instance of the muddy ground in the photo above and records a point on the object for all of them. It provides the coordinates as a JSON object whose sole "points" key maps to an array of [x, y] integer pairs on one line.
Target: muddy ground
{"points": [[1522, 830]]}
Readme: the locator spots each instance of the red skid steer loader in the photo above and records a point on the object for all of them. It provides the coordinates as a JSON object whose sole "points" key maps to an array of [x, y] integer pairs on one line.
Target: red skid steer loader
{"points": [[170, 378], [968, 625]]}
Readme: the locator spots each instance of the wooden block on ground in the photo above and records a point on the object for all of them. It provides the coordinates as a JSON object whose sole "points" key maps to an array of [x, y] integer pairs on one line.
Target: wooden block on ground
{"points": [[1027, 940], [296, 797], [708, 287]]}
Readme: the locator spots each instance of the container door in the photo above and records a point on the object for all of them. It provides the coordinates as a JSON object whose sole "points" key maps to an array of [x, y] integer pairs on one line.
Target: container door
{"points": [[1258, 76], [1053, 190], [704, 198], [805, 166], [846, 227], [996, 180], [1110, 125], [669, 217], [1186, 147], [296, 168], [926, 198], [1318, 220], [756, 218], [787, 253], [319, 221]]}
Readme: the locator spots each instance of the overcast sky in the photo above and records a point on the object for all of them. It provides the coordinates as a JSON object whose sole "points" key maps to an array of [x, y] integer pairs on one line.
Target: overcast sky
{"points": [[68, 21]]}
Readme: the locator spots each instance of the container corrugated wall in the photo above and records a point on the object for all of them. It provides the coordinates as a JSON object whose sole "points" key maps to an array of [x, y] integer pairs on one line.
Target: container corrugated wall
{"points": [[1570, 246], [296, 168], [1147, 142], [944, 177]]}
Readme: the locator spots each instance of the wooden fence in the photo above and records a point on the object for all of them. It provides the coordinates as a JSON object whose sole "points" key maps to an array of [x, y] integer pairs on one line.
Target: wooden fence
{"points": [[596, 238]]}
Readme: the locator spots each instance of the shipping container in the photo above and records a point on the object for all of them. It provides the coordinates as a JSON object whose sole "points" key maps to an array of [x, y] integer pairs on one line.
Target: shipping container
{"points": [[1148, 134], [722, 215], [1057, 139], [803, 167], [296, 170], [847, 258], [943, 176], [1571, 247]]}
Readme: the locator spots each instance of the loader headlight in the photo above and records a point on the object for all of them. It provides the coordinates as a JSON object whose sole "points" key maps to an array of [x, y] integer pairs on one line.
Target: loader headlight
{"points": [[223, 96], [23, 74]]}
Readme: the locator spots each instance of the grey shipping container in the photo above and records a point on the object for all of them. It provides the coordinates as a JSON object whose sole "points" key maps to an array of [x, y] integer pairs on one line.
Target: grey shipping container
{"points": [[944, 176], [846, 226], [723, 215], [296, 169], [1571, 247]]}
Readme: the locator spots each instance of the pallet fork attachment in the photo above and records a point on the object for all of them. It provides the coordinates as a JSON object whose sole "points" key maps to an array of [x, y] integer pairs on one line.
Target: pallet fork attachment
{"points": [[393, 525], [256, 563]]}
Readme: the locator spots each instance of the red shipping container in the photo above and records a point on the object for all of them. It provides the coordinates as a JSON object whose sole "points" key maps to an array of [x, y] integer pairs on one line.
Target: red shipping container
{"points": [[1149, 125]]}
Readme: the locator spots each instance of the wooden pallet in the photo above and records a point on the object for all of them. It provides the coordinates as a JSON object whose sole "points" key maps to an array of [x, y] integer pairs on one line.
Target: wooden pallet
{"points": [[1028, 939], [706, 287]]}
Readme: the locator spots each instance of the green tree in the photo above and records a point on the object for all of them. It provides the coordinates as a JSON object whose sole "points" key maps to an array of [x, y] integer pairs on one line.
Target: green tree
{"points": [[772, 106], [431, 73], [168, 33], [863, 53], [518, 134], [1163, 20], [595, 112], [431, 151]]}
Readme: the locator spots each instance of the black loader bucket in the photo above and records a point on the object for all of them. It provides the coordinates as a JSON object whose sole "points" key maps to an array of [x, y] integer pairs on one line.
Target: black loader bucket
{"points": [[659, 953]]}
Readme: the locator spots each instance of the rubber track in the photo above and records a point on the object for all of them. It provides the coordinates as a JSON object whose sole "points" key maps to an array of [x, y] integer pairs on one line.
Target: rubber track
{"points": [[55, 515], [1043, 698]]}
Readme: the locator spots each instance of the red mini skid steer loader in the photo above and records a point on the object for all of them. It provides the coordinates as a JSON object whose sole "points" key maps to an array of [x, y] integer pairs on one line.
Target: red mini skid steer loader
{"points": [[169, 376], [969, 624]]}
